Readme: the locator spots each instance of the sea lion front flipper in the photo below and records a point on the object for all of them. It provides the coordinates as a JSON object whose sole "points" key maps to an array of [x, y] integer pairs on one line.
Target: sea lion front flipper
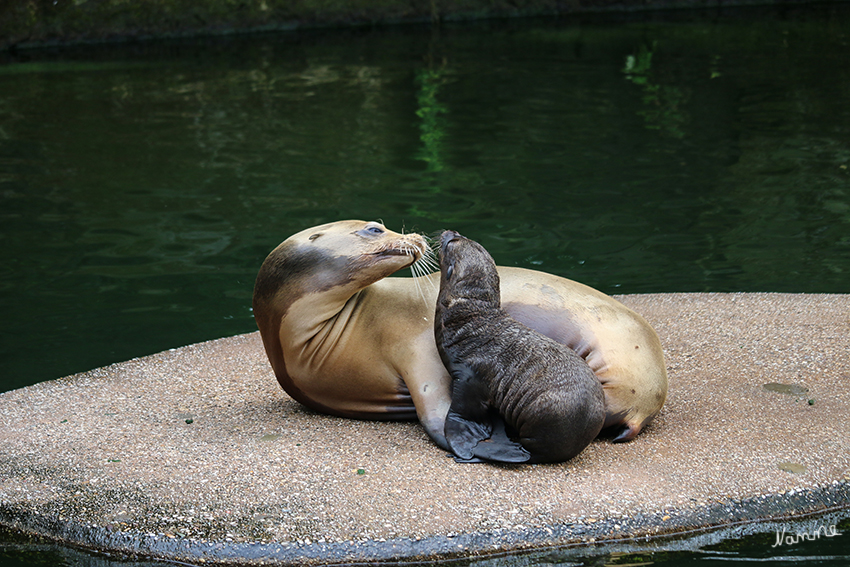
{"points": [[457, 459], [468, 420], [500, 447], [463, 435], [473, 428]]}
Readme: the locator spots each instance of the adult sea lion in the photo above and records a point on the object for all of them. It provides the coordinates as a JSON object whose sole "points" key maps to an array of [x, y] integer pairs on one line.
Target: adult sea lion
{"points": [[502, 370], [345, 339]]}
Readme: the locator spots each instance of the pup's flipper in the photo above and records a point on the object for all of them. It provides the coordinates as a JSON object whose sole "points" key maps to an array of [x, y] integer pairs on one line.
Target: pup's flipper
{"points": [[500, 447]]}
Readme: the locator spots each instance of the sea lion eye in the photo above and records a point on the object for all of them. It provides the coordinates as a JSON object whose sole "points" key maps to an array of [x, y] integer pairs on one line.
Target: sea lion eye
{"points": [[372, 230], [449, 271]]}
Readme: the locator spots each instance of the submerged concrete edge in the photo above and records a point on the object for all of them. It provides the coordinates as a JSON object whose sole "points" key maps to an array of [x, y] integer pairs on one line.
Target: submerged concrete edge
{"points": [[671, 523]]}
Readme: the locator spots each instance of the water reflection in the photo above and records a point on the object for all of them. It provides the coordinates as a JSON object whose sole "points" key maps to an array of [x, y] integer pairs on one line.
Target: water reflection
{"points": [[663, 105], [638, 157], [141, 187]]}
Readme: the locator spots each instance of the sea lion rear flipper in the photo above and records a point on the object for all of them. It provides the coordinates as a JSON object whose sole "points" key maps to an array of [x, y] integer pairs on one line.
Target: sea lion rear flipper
{"points": [[628, 433]]}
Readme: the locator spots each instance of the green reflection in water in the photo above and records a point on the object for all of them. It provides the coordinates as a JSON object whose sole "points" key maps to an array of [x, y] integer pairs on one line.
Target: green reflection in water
{"points": [[429, 81], [662, 105], [140, 188]]}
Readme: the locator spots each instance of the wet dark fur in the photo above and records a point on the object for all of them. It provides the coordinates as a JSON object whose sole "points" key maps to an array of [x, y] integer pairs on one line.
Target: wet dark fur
{"points": [[517, 396]]}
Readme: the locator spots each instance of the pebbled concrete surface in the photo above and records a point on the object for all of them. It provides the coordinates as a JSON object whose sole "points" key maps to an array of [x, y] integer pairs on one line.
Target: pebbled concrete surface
{"points": [[195, 454]]}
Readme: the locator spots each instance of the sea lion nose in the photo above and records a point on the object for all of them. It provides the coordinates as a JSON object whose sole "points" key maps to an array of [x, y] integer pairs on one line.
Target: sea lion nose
{"points": [[448, 236]]}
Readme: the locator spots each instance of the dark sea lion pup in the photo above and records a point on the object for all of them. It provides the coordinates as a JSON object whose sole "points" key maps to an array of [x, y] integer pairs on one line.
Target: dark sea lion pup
{"points": [[547, 395]]}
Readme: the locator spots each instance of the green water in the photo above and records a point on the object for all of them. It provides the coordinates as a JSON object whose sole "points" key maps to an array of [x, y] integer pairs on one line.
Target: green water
{"points": [[141, 186]]}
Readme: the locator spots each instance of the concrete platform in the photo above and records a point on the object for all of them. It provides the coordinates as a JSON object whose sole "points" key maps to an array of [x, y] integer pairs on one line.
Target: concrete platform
{"points": [[197, 455]]}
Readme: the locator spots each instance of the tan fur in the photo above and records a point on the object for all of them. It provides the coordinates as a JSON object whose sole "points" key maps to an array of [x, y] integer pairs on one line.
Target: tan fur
{"points": [[345, 339]]}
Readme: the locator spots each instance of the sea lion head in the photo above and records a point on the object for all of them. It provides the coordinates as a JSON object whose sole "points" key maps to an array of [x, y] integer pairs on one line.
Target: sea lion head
{"points": [[346, 255], [467, 272]]}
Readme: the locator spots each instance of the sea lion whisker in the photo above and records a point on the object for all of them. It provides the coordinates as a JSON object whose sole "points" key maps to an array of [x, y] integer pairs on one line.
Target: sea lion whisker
{"points": [[426, 262], [424, 266], [429, 256], [399, 249], [430, 263], [419, 287], [420, 270]]}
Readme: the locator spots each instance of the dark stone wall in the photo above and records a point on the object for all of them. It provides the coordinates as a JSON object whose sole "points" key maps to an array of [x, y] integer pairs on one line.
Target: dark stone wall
{"points": [[26, 23]]}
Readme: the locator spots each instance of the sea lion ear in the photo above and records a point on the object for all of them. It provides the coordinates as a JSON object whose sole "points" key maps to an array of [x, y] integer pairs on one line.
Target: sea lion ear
{"points": [[315, 236]]}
